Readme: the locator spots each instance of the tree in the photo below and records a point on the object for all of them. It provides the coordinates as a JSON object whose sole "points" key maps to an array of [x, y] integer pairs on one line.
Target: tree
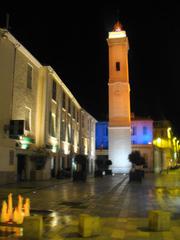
{"points": [[81, 160], [81, 172], [108, 163], [138, 163], [136, 158]]}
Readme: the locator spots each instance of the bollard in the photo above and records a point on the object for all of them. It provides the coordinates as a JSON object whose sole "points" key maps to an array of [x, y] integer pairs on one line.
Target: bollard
{"points": [[89, 225], [33, 227], [159, 220]]}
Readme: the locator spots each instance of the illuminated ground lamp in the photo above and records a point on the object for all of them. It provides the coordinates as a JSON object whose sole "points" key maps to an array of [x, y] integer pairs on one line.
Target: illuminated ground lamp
{"points": [[15, 215], [32, 227], [25, 142]]}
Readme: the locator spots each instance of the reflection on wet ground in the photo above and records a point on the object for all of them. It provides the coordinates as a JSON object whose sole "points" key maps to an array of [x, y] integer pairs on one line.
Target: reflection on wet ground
{"points": [[122, 206]]}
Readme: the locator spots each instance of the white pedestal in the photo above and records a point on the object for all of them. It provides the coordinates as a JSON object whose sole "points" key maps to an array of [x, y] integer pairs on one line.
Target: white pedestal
{"points": [[120, 148]]}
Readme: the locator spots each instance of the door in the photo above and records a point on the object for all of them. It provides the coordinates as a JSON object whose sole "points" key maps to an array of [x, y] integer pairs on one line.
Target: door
{"points": [[21, 167]]}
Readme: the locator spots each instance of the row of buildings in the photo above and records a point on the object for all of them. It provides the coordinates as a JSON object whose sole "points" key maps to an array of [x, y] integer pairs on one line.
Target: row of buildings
{"points": [[154, 139], [42, 125]]}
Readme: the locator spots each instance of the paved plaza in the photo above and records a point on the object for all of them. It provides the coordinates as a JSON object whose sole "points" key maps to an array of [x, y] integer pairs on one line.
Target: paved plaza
{"points": [[122, 206]]}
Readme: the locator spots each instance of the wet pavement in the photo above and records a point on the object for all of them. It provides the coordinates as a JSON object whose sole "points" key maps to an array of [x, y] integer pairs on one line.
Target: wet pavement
{"points": [[122, 206]]}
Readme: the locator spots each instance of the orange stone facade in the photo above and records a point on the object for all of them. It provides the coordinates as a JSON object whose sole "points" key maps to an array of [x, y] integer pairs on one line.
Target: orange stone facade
{"points": [[119, 101]]}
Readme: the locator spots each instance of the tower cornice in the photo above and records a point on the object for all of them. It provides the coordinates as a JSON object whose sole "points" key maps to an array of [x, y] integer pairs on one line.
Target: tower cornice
{"points": [[118, 41]]}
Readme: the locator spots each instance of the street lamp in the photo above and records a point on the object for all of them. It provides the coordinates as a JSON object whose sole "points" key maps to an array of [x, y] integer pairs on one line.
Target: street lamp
{"points": [[169, 132], [174, 148], [177, 147]]}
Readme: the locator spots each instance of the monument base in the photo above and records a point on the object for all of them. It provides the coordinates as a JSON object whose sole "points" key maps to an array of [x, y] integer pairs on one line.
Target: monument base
{"points": [[120, 148]]}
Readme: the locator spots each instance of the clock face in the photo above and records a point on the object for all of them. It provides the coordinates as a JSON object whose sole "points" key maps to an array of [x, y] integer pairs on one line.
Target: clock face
{"points": [[119, 102]]}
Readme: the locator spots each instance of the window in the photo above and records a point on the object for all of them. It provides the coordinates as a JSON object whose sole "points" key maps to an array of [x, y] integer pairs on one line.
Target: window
{"points": [[54, 90], [27, 119], [82, 121], [77, 135], [117, 66], [63, 100], [29, 76], [134, 131], [63, 126], [11, 157], [69, 105], [52, 124], [89, 124], [73, 135], [144, 130], [106, 131], [77, 115], [69, 130], [73, 111]]}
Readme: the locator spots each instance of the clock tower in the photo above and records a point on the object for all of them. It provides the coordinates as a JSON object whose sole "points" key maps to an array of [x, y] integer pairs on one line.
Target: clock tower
{"points": [[119, 100]]}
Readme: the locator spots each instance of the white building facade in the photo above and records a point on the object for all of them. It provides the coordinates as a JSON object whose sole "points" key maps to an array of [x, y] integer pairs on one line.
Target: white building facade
{"points": [[40, 120]]}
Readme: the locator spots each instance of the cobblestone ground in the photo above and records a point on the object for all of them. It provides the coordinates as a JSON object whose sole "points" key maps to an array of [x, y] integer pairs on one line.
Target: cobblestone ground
{"points": [[122, 206]]}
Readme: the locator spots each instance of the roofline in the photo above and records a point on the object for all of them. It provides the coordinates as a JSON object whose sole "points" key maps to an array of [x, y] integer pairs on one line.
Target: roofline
{"points": [[20, 47], [65, 88]]}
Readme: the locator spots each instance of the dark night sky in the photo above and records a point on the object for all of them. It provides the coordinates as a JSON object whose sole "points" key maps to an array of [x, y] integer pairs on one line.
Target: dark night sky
{"points": [[71, 38]]}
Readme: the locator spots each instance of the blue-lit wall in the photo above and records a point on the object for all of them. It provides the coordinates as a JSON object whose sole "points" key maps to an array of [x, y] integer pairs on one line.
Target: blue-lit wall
{"points": [[141, 133], [102, 135]]}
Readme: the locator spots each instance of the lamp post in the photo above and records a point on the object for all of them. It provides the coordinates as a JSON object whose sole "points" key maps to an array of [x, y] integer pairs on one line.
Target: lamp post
{"points": [[177, 147], [175, 150], [170, 145], [169, 132]]}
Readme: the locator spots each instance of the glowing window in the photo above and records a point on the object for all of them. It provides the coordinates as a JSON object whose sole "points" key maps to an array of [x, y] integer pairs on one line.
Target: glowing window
{"points": [[117, 66], [52, 124], [63, 126], [69, 130]]}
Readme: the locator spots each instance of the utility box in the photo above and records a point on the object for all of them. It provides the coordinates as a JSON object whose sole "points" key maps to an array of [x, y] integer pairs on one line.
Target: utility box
{"points": [[159, 220], [33, 227], [89, 226]]}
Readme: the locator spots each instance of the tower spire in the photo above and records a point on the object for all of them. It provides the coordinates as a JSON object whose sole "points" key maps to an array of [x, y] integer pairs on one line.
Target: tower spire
{"points": [[117, 26], [117, 15], [7, 21]]}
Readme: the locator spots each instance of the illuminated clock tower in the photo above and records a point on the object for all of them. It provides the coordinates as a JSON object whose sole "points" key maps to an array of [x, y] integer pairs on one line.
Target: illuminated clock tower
{"points": [[119, 100]]}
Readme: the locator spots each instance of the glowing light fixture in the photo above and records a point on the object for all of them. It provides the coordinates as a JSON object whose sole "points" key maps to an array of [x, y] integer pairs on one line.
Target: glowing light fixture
{"points": [[54, 148], [158, 140], [75, 148], [117, 27], [66, 149], [25, 142], [174, 140], [169, 132], [117, 31], [121, 34]]}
